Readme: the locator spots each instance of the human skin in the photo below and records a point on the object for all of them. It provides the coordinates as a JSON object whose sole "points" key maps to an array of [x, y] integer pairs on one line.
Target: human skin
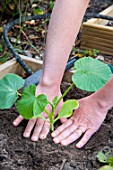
{"points": [[87, 119], [63, 28]]}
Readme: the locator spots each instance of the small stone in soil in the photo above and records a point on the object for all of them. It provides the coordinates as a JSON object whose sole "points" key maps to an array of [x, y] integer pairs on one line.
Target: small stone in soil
{"points": [[27, 53]]}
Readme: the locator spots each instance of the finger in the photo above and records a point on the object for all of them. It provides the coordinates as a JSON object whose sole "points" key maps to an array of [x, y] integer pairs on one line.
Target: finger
{"points": [[37, 130], [64, 134], [63, 120], [73, 137], [29, 128], [44, 115], [45, 130], [61, 128], [18, 120], [85, 138], [82, 128]]}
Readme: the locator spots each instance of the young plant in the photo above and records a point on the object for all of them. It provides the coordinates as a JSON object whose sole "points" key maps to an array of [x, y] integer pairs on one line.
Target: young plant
{"points": [[90, 75], [92, 53], [106, 159], [85, 53]]}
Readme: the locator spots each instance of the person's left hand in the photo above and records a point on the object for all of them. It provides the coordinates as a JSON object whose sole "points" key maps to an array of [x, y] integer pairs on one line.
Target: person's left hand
{"points": [[85, 120], [36, 127]]}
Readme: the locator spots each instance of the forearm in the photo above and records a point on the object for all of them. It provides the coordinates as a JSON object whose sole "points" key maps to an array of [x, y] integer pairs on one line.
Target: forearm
{"points": [[63, 28], [104, 96]]}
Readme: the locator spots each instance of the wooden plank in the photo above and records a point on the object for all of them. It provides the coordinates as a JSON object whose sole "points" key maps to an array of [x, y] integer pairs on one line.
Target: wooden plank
{"points": [[104, 45], [91, 48], [33, 63], [93, 45], [9, 67], [97, 34], [92, 30], [97, 41], [102, 49], [13, 67], [96, 27], [96, 38]]}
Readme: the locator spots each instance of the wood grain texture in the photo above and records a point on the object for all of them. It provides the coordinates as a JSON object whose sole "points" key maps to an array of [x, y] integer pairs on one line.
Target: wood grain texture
{"points": [[96, 35], [12, 66]]}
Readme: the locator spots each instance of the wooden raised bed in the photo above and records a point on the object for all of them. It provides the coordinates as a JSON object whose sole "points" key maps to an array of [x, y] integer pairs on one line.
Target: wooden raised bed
{"points": [[97, 35], [12, 66]]}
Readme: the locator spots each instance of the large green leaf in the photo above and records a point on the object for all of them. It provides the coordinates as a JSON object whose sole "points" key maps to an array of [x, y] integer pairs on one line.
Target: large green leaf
{"points": [[91, 74], [39, 105], [31, 106], [9, 85], [67, 108], [106, 167]]}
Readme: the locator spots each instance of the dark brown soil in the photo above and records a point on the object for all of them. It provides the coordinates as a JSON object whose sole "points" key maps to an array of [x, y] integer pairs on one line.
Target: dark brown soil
{"points": [[97, 6], [18, 153]]}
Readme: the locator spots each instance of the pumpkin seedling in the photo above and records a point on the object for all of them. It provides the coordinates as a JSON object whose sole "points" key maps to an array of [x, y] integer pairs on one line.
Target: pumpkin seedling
{"points": [[107, 159], [90, 75]]}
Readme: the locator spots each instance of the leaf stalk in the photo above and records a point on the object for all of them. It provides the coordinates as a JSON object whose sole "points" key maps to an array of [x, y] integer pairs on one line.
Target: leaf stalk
{"points": [[19, 94]]}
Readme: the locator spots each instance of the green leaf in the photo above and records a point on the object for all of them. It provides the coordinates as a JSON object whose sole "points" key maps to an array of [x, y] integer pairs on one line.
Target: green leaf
{"points": [[91, 74], [110, 160], [38, 11], [1, 48], [9, 85], [96, 51], [106, 167], [31, 106], [86, 52], [40, 104], [55, 99], [102, 157], [51, 4], [67, 108]]}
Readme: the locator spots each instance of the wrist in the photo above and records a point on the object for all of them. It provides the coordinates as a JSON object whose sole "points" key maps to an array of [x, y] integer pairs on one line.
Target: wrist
{"points": [[101, 101], [47, 85]]}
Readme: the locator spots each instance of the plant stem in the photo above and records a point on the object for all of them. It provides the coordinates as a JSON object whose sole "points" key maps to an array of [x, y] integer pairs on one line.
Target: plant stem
{"points": [[19, 94], [69, 88], [52, 119], [51, 115], [48, 114], [52, 127]]}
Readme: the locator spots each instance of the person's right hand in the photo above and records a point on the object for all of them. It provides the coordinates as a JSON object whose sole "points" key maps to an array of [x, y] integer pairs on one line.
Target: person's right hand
{"points": [[85, 121]]}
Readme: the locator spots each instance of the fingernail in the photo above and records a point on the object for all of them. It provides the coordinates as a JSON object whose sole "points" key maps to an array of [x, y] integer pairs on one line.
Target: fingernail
{"points": [[26, 134], [53, 134], [42, 136], [56, 140], [15, 123], [34, 138], [63, 143], [78, 146]]}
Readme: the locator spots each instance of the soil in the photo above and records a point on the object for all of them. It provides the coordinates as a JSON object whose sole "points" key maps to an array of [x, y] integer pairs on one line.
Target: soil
{"points": [[18, 153]]}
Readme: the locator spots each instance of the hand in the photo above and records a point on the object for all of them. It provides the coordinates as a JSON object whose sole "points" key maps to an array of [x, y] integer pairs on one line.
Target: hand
{"points": [[85, 121], [41, 128]]}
